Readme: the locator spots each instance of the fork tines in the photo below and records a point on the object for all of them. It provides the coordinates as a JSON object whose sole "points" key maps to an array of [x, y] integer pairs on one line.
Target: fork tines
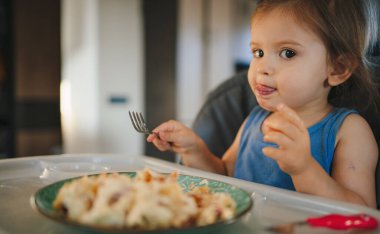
{"points": [[138, 122]]}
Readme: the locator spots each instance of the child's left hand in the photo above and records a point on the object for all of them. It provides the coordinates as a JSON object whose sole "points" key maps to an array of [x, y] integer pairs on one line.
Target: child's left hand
{"points": [[286, 129]]}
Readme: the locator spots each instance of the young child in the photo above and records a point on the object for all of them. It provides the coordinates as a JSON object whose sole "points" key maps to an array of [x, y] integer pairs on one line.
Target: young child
{"points": [[307, 54]]}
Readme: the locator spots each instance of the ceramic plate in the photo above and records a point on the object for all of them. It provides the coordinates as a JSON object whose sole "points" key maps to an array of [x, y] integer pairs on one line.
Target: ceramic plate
{"points": [[44, 203]]}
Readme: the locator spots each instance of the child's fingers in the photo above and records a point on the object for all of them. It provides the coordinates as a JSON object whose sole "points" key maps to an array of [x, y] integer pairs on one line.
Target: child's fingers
{"points": [[168, 126], [167, 131], [272, 152], [158, 138], [162, 131], [175, 132], [278, 138], [291, 115], [169, 136], [161, 145], [278, 123], [151, 137]]}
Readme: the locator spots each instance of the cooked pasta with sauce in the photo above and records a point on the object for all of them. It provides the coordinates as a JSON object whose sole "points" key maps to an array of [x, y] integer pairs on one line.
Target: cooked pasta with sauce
{"points": [[148, 201]]}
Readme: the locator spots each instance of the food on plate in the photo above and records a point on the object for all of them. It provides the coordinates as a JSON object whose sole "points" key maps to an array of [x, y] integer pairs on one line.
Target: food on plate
{"points": [[148, 201]]}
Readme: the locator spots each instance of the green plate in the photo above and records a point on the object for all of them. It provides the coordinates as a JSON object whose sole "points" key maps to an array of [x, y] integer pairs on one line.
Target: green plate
{"points": [[45, 196]]}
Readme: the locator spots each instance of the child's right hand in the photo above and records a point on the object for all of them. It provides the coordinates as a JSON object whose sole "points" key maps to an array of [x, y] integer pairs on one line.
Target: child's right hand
{"points": [[176, 137], [172, 135]]}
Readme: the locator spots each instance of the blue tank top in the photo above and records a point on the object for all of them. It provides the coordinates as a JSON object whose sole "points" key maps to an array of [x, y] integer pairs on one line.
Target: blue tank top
{"points": [[253, 165]]}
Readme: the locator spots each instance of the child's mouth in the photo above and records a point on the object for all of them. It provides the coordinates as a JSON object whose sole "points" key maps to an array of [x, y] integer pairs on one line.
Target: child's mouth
{"points": [[264, 90]]}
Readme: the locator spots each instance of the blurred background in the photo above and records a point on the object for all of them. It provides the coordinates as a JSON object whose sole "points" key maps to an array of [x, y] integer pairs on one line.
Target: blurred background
{"points": [[70, 70]]}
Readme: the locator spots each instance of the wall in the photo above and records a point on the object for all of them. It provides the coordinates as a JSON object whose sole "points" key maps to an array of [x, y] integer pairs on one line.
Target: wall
{"points": [[102, 62], [79, 87], [190, 60], [121, 74], [213, 35]]}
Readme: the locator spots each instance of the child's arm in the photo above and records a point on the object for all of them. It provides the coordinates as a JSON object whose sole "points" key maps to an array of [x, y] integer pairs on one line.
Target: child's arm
{"points": [[355, 158], [182, 140]]}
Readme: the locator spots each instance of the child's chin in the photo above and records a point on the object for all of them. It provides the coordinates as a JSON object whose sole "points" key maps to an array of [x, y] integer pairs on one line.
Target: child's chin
{"points": [[267, 106]]}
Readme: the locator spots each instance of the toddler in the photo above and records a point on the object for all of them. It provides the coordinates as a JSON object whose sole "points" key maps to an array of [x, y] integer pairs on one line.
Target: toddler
{"points": [[308, 55]]}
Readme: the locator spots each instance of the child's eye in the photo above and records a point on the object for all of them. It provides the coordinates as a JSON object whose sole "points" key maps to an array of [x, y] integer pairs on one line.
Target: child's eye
{"points": [[258, 53], [286, 53]]}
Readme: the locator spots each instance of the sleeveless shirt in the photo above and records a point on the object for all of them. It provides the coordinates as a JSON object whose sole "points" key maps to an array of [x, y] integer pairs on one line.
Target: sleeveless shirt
{"points": [[253, 165]]}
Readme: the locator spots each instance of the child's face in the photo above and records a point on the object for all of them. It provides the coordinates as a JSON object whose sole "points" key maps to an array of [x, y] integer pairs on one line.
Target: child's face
{"points": [[289, 64]]}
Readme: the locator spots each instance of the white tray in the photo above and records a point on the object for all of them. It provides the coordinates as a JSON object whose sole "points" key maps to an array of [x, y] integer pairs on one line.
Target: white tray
{"points": [[20, 178]]}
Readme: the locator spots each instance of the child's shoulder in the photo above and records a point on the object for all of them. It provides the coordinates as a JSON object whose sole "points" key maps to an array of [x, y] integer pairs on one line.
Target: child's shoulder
{"points": [[355, 128], [354, 120]]}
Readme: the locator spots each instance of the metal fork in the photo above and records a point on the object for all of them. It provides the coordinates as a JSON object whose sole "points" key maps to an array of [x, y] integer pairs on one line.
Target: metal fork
{"points": [[139, 123]]}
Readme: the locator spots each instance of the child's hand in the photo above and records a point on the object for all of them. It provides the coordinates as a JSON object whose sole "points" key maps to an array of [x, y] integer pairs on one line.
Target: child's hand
{"points": [[175, 136], [287, 130]]}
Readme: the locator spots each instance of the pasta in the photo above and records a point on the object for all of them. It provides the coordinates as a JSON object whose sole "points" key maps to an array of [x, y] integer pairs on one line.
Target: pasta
{"points": [[149, 201]]}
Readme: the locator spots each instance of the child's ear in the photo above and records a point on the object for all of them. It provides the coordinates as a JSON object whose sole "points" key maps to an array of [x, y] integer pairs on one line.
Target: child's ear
{"points": [[340, 70]]}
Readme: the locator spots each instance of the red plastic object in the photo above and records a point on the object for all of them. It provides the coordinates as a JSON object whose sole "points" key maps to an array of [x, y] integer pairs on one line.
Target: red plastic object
{"points": [[344, 222]]}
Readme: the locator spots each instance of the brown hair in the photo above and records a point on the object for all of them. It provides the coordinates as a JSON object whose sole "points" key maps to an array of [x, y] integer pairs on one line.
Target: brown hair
{"points": [[344, 29]]}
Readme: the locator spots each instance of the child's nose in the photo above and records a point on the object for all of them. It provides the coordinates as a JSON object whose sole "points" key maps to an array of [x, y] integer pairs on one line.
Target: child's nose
{"points": [[265, 66]]}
